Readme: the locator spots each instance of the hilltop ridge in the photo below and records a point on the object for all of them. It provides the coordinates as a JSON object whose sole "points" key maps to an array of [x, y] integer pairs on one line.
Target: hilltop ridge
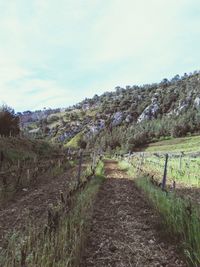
{"points": [[169, 108]]}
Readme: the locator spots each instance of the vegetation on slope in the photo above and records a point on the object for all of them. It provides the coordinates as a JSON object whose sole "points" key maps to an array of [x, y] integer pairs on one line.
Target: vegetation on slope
{"points": [[75, 141], [129, 117], [186, 144], [131, 137], [16, 148]]}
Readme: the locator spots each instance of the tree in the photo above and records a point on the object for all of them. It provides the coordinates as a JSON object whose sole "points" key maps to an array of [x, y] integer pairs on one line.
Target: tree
{"points": [[9, 121], [82, 144], [176, 78]]}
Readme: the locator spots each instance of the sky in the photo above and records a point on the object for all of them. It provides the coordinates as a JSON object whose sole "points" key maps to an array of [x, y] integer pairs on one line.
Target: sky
{"points": [[55, 53]]}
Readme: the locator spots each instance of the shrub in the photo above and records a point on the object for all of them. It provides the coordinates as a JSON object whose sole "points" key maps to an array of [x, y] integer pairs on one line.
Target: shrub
{"points": [[9, 121]]}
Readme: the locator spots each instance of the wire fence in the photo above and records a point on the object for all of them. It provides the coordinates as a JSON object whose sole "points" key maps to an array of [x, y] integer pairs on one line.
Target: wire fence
{"points": [[26, 173], [169, 169]]}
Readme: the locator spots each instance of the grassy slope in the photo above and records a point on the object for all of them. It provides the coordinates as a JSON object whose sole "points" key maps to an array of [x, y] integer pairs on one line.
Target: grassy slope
{"points": [[186, 144], [22, 148]]}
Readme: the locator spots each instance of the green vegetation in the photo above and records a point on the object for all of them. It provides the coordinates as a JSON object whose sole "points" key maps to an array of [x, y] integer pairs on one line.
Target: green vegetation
{"points": [[60, 242], [74, 142], [9, 122], [124, 165], [180, 218], [16, 148], [186, 144], [125, 119], [182, 169], [134, 137]]}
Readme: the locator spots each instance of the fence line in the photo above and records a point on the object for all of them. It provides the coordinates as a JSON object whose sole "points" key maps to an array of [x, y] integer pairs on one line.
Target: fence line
{"points": [[23, 174], [181, 168]]}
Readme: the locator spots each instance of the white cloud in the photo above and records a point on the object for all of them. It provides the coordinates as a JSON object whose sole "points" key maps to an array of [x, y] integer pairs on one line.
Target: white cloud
{"points": [[38, 94]]}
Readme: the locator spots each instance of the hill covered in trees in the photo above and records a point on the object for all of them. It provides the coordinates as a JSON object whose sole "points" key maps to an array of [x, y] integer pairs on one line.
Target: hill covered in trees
{"points": [[126, 118]]}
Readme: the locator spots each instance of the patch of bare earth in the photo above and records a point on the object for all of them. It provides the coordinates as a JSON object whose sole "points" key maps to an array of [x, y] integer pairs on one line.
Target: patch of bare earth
{"points": [[31, 206], [124, 228]]}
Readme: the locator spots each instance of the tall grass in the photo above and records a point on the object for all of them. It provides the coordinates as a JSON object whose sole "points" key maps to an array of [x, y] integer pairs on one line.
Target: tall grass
{"points": [[180, 218], [60, 245]]}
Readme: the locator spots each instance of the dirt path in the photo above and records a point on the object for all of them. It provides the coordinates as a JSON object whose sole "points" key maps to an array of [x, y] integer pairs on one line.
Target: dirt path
{"points": [[124, 230]]}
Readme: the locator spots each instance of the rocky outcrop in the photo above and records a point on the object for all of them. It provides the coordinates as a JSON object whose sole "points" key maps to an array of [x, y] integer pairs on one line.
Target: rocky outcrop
{"points": [[197, 102], [117, 118], [151, 111], [183, 105]]}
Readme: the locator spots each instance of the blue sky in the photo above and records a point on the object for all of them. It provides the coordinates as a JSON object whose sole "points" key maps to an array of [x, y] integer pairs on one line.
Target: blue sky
{"points": [[54, 53]]}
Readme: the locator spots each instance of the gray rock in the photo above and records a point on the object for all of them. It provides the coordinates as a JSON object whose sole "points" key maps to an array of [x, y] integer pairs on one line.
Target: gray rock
{"points": [[183, 104], [129, 118], [117, 118], [149, 113], [197, 102]]}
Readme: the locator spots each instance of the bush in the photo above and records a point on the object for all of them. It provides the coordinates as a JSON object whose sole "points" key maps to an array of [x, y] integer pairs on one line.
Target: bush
{"points": [[52, 118], [9, 122]]}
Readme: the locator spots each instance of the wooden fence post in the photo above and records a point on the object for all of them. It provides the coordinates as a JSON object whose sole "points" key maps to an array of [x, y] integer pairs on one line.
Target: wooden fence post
{"points": [[165, 172], [28, 176], [142, 158], [129, 156], [59, 163], [94, 161], [180, 161], [79, 166], [1, 160]]}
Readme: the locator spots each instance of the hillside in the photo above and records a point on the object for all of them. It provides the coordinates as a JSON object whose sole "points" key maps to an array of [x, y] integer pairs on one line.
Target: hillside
{"points": [[14, 149], [127, 117], [186, 144]]}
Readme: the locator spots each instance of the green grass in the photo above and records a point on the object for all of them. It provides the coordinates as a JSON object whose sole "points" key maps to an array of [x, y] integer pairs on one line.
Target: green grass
{"points": [[186, 144], [187, 173], [15, 148], [61, 247], [124, 165], [73, 143], [180, 218]]}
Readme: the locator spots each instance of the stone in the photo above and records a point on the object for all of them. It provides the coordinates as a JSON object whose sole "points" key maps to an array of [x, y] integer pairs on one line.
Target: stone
{"points": [[197, 102]]}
